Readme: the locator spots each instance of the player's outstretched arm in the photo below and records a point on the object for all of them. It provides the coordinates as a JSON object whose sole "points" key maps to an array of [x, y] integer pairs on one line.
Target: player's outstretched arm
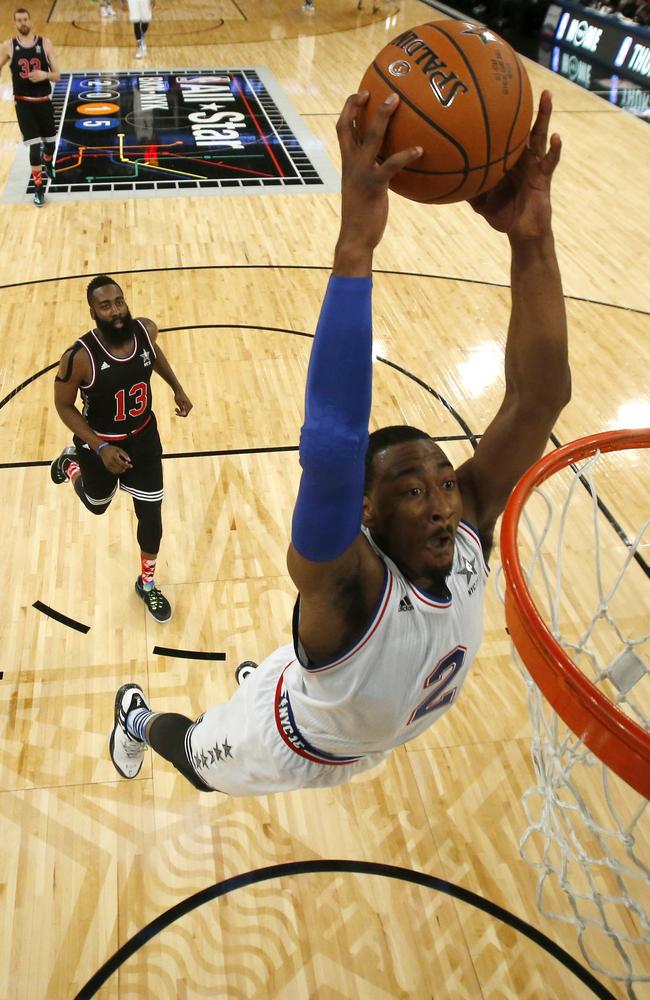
{"points": [[166, 372], [55, 72], [5, 53], [364, 185], [328, 556], [537, 373]]}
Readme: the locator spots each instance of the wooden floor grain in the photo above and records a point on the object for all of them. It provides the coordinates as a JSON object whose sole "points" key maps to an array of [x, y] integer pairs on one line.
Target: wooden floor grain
{"points": [[88, 859]]}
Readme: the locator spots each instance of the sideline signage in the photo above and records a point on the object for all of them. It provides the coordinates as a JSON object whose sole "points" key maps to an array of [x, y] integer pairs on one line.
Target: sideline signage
{"points": [[620, 46]]}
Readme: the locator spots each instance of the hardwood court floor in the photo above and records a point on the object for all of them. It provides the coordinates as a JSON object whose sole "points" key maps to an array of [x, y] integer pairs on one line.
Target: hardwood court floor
{"points": [[234, 283]]}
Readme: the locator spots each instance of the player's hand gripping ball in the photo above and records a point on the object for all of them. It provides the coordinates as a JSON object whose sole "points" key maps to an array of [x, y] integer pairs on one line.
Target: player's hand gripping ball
{"points": [[465, 97]]}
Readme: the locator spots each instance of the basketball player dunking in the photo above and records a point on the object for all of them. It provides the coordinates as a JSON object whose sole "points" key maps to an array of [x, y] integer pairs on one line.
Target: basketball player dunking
{"points": [[33, 70], [116, 440], [389, 543]]}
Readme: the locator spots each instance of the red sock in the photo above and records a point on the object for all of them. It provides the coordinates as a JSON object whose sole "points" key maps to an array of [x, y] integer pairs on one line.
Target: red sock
{"points": [[148, 570], [72, 471], [37, 174]]}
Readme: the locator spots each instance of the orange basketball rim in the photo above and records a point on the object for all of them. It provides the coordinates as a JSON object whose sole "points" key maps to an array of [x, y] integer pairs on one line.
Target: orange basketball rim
{"points": [[622, 744]]}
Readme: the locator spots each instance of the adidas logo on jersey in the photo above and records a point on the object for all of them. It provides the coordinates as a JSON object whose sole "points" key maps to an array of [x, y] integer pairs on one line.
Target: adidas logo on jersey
{"points": [[105, 365], [405, 605]]}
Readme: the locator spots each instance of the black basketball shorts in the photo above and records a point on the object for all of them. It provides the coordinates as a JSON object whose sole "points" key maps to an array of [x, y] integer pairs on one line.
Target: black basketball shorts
{"points": [[36, 121], [143, 482]]}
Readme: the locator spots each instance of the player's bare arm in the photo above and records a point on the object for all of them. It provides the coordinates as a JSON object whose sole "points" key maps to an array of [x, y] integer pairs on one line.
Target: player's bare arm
{"points": [[75, 371], [166, 372], [338, 595], [537, 374], [5, 53], [54, 74]]}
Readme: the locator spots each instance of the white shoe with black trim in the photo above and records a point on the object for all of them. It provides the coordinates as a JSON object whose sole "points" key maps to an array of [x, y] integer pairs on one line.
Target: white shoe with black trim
{"points": [[244, 670], [126, 752]]}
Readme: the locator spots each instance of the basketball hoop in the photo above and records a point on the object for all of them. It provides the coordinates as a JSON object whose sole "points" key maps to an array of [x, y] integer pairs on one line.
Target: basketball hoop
{"points": [[580, 644], [618, 741]]}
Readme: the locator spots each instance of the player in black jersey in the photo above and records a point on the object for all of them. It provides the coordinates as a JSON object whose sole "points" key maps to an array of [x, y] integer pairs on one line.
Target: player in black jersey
{"points": [[116, 440], [33, 70]]}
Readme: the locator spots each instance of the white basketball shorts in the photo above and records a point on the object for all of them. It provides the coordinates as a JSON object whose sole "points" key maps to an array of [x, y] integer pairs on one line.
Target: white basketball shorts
{"points": [[238, 747], [139, 10]]}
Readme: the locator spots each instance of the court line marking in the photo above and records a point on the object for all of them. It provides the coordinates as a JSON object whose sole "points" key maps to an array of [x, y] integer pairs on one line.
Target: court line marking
{"points": [[246, 879], [221, 452], [63, 619], [187, 654], [312, 267], [469, 435]]}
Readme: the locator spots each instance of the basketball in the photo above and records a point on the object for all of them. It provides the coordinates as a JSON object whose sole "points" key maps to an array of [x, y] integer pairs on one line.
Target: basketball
{"points": [[465, 98]]}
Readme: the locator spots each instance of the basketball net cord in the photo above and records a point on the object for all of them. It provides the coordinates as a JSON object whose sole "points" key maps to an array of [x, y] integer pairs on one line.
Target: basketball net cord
{"points": [[585, 831]]}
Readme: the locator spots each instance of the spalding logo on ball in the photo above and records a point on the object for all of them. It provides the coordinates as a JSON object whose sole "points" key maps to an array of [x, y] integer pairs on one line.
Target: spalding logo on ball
{"points": [[465, 97]]}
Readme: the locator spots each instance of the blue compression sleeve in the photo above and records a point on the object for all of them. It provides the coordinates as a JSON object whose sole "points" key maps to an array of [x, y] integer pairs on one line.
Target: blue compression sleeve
{"points": [[334, 436]]}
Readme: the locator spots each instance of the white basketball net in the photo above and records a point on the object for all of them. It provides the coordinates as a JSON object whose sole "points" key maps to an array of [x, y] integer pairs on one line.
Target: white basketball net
{"points": [[588, 835]]}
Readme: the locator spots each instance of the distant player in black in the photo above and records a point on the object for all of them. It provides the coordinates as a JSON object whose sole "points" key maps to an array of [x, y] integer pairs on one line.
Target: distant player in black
{"points": [[116, 440], [33, 71]]}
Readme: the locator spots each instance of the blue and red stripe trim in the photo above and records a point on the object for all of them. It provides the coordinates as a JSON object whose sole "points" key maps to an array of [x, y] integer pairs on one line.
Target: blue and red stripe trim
{"points": [[288, 728], [372, 628]]}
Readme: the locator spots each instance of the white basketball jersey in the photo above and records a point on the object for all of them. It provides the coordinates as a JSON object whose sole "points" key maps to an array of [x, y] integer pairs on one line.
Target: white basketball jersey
{"points": [[401, 675]]}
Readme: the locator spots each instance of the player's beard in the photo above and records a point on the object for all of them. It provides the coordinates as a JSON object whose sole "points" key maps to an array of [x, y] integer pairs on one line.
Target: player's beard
{"points": [[116, 336], [25, 30]]}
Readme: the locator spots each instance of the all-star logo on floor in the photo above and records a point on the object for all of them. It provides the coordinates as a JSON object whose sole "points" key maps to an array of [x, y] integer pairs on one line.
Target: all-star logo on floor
{"points": [[152, 133]]}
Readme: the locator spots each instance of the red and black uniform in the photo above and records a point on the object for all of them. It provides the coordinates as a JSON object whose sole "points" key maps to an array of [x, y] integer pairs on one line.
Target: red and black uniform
{"points": [[117, 400], [117, 405], [32, 100]]}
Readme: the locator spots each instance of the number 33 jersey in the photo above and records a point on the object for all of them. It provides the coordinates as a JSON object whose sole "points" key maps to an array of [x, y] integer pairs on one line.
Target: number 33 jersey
{"points": [[117, 400], [405, 671]]}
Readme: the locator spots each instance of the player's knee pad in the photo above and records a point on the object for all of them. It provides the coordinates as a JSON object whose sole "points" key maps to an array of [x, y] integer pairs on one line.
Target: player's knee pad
{"points": [[149, 515], [167, 736], [35, 155], [97, 510], [90, 505], [48, 148]]}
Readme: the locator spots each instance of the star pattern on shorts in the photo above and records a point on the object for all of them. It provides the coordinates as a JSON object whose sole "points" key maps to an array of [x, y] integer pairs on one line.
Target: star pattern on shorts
{"points": [[206, 758]]}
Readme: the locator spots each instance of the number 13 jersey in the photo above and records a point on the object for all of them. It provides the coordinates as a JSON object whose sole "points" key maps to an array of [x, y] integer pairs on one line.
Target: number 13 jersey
{"points": [[117, 400]]}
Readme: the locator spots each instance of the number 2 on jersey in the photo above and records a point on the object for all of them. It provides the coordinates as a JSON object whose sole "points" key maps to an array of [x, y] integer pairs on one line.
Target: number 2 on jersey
{"points": [[438, 682], [139, 394]]}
